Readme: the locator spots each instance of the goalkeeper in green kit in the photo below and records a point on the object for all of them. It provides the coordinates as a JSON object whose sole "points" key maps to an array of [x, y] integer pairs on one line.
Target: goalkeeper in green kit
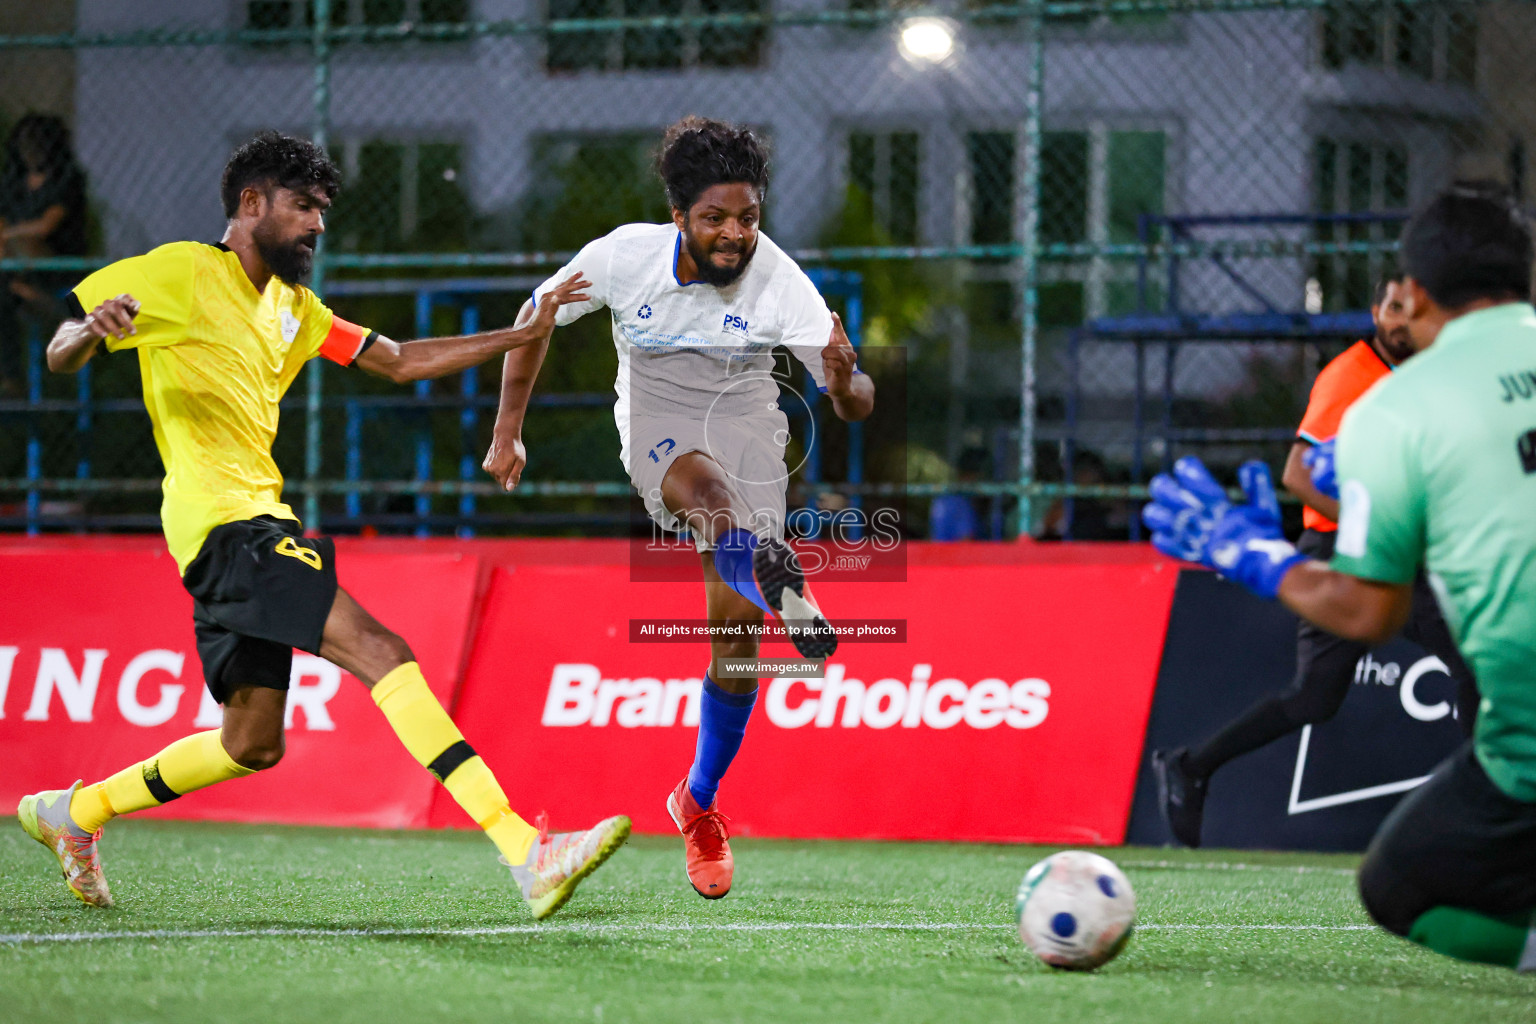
{"points": [[1435, 466]]}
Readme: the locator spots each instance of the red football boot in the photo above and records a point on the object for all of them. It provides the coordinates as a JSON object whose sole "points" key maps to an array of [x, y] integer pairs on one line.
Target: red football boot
{"points": [[707, 854]]}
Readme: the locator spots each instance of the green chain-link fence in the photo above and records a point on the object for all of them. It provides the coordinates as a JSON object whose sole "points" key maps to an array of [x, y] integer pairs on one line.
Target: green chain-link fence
{"points": [[1101, 234]]}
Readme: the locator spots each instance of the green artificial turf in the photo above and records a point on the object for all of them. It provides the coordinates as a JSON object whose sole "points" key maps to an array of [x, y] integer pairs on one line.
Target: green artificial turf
{"points": [[814, 931]]}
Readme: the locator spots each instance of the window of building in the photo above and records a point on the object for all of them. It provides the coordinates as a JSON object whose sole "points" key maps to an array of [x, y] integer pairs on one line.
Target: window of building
{"points": [[1357, 177], [885, 168], [665, 48], [400, 196], [1094, 185], [1433, 43], [584, 185], [990, 158], [269, 15]]}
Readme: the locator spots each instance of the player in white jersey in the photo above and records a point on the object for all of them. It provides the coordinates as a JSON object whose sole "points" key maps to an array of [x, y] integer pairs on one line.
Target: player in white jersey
{"points": [[697, 307]]}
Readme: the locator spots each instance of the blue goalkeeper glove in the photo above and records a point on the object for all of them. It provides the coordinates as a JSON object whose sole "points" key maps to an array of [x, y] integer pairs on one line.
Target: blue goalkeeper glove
{"points": [[1319, 462], [1184, 510], [1191, 518]]}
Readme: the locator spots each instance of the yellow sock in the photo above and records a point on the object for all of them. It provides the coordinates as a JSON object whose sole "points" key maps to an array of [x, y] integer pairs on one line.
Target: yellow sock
{"points": [[192, 762], [433, 740]]}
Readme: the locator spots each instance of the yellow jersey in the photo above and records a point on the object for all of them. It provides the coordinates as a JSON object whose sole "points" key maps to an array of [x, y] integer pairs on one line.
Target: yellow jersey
{"points": [[216, 356]]}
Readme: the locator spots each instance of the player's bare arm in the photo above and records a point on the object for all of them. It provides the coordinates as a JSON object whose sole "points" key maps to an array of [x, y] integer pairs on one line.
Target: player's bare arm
{"points": [[1297, 479], [507, 456], [33, 231], [1344, 605], [75, 342], [852, 394], [429, 358]]}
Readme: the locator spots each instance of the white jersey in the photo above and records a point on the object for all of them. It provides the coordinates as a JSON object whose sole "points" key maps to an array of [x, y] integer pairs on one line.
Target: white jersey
{"points": [[695, 350]]}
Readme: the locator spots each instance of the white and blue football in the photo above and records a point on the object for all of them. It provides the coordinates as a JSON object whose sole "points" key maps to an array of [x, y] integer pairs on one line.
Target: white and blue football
{"points": [[1075, 910]]}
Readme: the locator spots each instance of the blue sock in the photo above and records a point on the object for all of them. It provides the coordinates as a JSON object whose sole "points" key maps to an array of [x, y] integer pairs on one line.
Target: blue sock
{"points": [[722, 723], [733, 561]]}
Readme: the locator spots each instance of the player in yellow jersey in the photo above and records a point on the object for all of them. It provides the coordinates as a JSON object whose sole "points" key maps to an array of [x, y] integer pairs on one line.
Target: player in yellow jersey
{"points": [[221, 331]]}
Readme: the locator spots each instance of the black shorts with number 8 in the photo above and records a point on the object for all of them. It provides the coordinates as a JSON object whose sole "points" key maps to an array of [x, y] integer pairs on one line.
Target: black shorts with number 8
{"points": [[259, 589]]}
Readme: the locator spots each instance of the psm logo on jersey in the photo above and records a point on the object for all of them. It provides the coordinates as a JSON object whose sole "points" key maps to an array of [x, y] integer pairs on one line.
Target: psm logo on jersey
{"points": [[645, 312], [290, 327], [735, 325]]}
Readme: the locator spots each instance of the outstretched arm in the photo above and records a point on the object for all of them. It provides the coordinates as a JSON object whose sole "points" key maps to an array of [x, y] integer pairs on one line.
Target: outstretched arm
{"points": [[852, 394], [1191, 518], [36, 229], [75, 342], [1346, 605], [403, 362], [507, 456]]}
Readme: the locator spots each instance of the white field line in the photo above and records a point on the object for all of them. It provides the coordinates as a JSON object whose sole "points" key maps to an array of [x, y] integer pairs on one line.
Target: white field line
{"points": [[31, 938], [1180, 865]]}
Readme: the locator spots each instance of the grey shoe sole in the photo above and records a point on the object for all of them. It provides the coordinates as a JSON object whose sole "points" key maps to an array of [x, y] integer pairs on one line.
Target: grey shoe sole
{"points": [[778, 570]]}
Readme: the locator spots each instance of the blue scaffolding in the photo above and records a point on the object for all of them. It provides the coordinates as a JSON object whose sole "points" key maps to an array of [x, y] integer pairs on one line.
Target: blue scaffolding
{"points": [[1176, 241], [471, 400], [464, 295]]}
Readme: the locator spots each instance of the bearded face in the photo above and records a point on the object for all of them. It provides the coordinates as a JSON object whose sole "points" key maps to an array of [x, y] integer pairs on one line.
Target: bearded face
{"points": [[1392, 325], [289, 253], [288, 232], [720, 230], [720, 261]]}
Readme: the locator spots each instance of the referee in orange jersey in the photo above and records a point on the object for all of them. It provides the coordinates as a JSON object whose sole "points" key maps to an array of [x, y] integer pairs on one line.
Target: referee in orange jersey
{"points": [[1325, 664]]}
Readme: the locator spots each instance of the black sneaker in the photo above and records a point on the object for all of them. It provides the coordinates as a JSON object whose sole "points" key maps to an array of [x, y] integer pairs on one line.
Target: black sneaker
{"points": [[783, 586], [1180, 795]]}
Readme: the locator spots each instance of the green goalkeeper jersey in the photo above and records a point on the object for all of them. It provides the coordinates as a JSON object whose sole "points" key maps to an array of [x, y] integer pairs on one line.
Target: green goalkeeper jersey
{"points": [[1437, 467]]}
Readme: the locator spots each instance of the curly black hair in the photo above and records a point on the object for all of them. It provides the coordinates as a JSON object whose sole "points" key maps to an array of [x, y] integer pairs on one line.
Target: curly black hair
{"points": [[275, 159], [699, 152]]}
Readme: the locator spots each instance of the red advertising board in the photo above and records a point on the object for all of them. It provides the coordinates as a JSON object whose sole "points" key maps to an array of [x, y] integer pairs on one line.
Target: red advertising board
{"points": [[1014, 710], [1008, 702], [98, 669]]}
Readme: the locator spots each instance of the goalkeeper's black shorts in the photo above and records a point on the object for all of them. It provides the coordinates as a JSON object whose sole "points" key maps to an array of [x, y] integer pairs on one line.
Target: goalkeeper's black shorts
{"points": [[1456, 841]]}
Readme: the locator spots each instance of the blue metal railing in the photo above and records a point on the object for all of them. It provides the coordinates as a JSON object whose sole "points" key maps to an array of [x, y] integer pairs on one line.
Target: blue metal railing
{"points": [[849, 286], [415, 408], [464, 296], [1170, 238]]}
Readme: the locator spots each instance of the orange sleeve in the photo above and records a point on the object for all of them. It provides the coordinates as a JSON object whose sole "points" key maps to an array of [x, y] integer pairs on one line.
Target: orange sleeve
{"points": [[345, 341], [1325, 409], [1339, 386]]}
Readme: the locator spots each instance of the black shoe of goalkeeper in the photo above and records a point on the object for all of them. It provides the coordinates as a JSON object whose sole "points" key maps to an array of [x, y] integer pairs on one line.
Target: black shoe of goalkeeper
{"points": [[1180, 795]]}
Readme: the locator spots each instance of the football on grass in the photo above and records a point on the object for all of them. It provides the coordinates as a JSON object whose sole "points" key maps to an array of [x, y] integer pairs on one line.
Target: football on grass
{"points": [[1075, 910]]}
